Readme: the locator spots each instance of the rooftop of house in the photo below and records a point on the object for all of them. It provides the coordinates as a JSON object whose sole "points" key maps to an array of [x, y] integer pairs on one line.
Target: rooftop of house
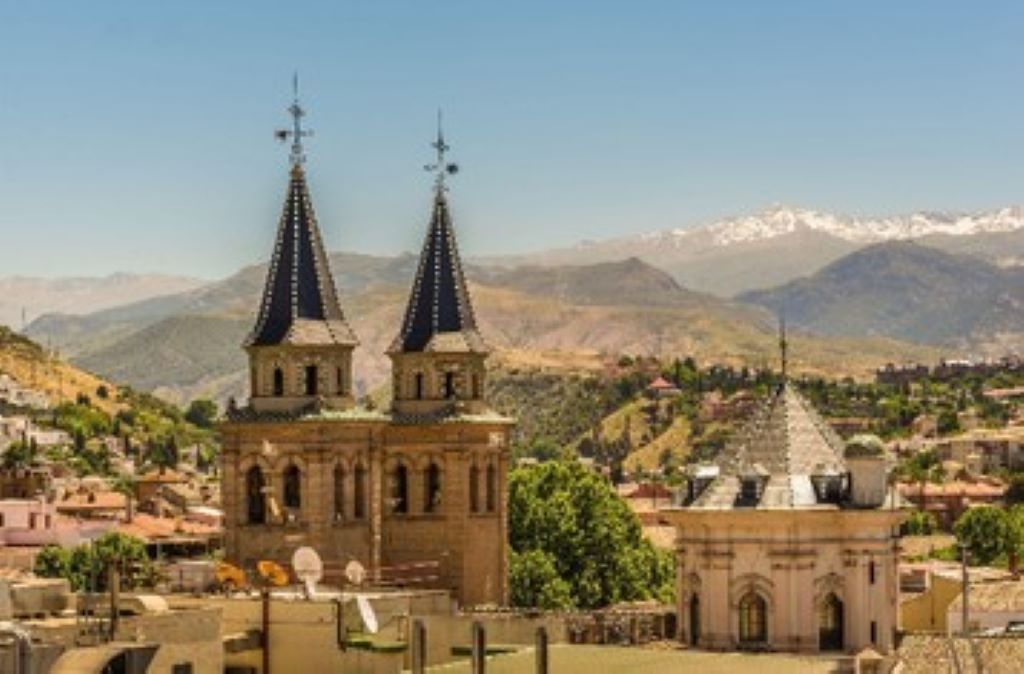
{"points": [[1000, 596], [957, 488]]}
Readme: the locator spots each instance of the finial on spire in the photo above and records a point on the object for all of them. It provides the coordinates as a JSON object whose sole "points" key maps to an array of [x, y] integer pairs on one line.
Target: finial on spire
{"points": [[296, 133], [783, 344], [440, 167]]}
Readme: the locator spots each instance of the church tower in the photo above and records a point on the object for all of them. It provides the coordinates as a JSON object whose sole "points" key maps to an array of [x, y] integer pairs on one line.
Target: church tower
{"points": [[438, 358], [300, 351]]}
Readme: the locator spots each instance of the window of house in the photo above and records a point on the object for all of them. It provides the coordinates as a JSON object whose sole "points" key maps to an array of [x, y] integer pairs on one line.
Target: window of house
{"points": [[418, 386], [432, 489], [340, 381], [255, 499], [311, 380], [278, 382], [874, 632], [753, 614], [339, 493], [449, 384], [292, 487], [359, 511], [492, 488], [474, 489], [871, 572], [400, 490]]}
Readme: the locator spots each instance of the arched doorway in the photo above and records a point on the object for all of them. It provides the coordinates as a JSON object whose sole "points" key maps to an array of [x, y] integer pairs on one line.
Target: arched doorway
{"points": [[694, 619], [830, 623], [255, 501], [753, 610]]}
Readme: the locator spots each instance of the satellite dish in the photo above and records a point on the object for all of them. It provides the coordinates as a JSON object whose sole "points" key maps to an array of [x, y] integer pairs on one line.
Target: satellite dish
{"points": [[367, 614], [355, 573], [308, 568]]}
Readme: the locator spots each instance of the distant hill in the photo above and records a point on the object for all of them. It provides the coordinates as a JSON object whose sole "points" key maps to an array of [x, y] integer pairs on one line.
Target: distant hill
{"points": [[38, 296], [781, 243], [190, 344], [907, 291]]}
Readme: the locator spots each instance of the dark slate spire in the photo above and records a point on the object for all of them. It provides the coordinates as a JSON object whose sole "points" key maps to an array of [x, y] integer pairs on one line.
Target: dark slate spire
{"points": [[300, 303], [440, 316]]}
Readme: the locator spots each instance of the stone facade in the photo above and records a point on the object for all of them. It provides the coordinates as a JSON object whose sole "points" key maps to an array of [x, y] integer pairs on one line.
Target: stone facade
{"points": [[422, 486]]}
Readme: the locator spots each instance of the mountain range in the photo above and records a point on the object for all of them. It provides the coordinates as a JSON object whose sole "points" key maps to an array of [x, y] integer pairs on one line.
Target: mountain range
{"points": [[860, 292], [188, 344], [781, 243]]}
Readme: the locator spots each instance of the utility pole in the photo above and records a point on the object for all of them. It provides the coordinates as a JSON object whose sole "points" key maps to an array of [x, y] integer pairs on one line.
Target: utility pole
{"points": [[965, 583]]}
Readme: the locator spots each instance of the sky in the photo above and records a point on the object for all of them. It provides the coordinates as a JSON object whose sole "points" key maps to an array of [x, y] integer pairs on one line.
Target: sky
{"points": [[139, 136]]}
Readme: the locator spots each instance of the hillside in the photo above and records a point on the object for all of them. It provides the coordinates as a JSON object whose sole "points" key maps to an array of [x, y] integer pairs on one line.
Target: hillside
{"points": [[781, 243], [34, 367], [188, 345], [907, 291]]}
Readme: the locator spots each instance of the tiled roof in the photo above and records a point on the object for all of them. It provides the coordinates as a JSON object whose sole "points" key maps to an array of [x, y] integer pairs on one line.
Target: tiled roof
{"points": [[956, 488], [932, 654], [1002, 596], [784, 442], [150, 528], [439, 316], [300, 303], [84, 501]]}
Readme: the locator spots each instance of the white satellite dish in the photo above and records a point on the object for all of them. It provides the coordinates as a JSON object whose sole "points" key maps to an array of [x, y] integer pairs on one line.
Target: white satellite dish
{"points": [[308, 568], [367, 614], [355, 573]]}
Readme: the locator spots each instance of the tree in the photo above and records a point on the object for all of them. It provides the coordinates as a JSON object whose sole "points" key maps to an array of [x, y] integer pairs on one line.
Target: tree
{"points": [[201, 413], [564, 514], [534, 581], [85, 566], [920, 523], [987, 533]]}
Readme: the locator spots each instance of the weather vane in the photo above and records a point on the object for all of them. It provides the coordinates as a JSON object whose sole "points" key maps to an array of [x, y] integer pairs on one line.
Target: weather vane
{"points": [[440, 167], [296, 133]]}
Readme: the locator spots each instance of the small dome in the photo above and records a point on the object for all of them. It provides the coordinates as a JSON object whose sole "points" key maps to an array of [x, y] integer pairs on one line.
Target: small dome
{"points": [[864, 444]]}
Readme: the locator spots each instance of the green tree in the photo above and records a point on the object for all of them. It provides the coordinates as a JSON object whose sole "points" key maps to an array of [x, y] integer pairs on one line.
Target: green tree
{"points": [[201, 413], [588, 533], [534, 581], [920, 523], [85, 566], [987, 532]]}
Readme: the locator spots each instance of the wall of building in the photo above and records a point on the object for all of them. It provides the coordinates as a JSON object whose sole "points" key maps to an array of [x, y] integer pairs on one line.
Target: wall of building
{"points": [[793, 559], [926, 612]]}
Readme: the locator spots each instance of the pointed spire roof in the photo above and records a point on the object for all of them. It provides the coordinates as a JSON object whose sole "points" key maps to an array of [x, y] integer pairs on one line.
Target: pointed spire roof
{"points": [[785, 442], [439, 317], [300, 303]]}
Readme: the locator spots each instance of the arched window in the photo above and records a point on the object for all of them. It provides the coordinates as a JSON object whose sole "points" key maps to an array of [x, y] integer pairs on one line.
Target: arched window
{"points": [[340, 383], [418, 386], [339, 493], [255, 499], [312, 378], [476, 386], [753, 619], [694, 619], [278, 381], [292, 487], [449, 384], [400, 490], [830, 623], [492, 488], [359, 511], [474, 489], [432, 489]]}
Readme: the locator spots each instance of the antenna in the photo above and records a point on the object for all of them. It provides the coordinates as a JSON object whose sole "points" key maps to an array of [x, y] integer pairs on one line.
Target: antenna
{"points": [[308, 568], [783, 344], [296, 133], [440, 167], [355, 573]]}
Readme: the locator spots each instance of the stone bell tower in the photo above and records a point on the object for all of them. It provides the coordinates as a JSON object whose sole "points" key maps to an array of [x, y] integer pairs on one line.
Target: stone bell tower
{"points": [[438, 358], [300, 351]]}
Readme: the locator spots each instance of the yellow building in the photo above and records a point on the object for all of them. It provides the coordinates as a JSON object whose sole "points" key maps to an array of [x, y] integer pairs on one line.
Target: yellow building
{"points": [[302, 464], [789, 542]]}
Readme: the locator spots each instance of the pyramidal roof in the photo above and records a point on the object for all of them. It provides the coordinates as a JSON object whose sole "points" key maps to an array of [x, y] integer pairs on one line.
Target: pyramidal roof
{"points": [[784, 442], [300, 303], [439, 317]]}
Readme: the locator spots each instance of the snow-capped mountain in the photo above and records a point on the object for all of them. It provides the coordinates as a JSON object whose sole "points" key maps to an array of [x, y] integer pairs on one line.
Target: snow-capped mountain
{"points": [[768, 248], [781, 220]]}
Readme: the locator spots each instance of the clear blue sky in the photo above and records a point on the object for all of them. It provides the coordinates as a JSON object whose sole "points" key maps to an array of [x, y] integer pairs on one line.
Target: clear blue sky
{"points": [[139, 138]]}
